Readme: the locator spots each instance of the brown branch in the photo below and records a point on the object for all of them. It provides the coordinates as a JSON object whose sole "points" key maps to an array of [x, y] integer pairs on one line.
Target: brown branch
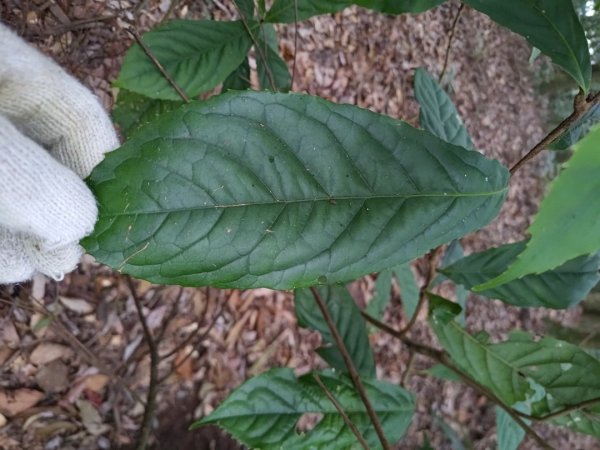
{"points": [[158, 65], [351, 369], [146, 427], [581, 105], [442, 358], [449, 46], [342, 413]]}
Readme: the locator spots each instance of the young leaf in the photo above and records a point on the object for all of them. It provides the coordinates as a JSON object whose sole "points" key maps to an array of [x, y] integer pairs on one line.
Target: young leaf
{"points": [[559, 288], [198, 54], [263, 412], [381, 296], [246, 7], [519, 371], [438, 114], [399, 7], [239, 79], [566, 225], [409, 291], [285, 191], [348, 321], [550, 25], [273, 72], [134, 110], [578, 129], [509, 433], [288, 11]]}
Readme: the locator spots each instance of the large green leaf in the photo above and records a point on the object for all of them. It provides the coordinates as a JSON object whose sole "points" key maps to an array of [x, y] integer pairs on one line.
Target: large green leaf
{"points": [[239, 79], [255, 189], [287, 11], [567, 223], [347, 319], [263, 412], [519, 371], [584, 420], [273, 72], [559, 288], [134, 110], [438, 114], [381, 295], [399, 6], [509, 433], [409, 290], [198, 54], [550, 25], [578, 129]]}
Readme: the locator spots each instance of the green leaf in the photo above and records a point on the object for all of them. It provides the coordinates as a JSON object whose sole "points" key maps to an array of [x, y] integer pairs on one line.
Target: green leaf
{"points": [[452, 436], [438, 114], [409, 291], [583, 421], [347, 319], [246, 7], [284, 191], [578, 129], [198, 54], [263, 412], [550, 25], [566, 225], [239, 79], [134, 110], [288, 11], [520, 371], [382, 294], [443, 372], [273, 72], [509, 433], [559, 288], [399, 7]]}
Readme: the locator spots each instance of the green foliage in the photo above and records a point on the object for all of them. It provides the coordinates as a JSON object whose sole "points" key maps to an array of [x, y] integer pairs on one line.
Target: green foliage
{"points": [[438, 115], [543, 377], [347, 319], [409, 291], [286, 11], [578, 129], [273, 72], [559, 288], [239, 79], [307, 206], [549, 25], [381, 294], [198, 54], [570, 206], [399, 7], [509, 433], [133, 110], [263, 411]]}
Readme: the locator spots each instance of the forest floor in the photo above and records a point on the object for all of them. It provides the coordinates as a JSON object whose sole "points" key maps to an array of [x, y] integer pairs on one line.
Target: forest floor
{"points": [[74, 365]]}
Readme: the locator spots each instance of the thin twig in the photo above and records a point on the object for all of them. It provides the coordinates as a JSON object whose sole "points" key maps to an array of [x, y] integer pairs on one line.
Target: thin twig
{"points": [[452, 30], [443, 359], [433, 259], [158, 65], [258, 48], [342, 413], [406, 373], [568, 409], [188, 340], [146, 427], [351, 369], [581, 105]]}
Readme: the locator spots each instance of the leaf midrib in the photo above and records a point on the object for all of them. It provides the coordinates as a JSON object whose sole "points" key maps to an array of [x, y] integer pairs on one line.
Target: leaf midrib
{"points": [[300, 201]]}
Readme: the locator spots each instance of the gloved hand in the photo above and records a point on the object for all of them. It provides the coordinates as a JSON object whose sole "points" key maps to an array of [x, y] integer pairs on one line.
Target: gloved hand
{"points": [[53, 131]]}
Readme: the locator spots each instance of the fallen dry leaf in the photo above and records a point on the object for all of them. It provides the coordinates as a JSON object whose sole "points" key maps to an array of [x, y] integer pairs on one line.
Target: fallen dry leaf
{"points": [[49, 351], [77, 305], [12, 402], [90, 417], [53, 377], [8, 334]]}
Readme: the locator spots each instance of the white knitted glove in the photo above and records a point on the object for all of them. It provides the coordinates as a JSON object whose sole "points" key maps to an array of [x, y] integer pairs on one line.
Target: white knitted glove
{"points": [[53, 132]]}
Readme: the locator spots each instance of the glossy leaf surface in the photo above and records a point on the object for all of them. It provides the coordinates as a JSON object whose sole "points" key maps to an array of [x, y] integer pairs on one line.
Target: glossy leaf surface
{"points": [[263, 412], [254, 189], [559, 288], [552, 26], [198, 54], [566, 225]]}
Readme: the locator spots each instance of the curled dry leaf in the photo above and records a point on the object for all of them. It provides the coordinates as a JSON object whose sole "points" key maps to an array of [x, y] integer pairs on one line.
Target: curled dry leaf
{"points": [[12, 402]]}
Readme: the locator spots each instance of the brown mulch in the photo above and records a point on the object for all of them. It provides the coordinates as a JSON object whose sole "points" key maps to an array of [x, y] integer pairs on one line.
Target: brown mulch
{"points": [[73, 362]]}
